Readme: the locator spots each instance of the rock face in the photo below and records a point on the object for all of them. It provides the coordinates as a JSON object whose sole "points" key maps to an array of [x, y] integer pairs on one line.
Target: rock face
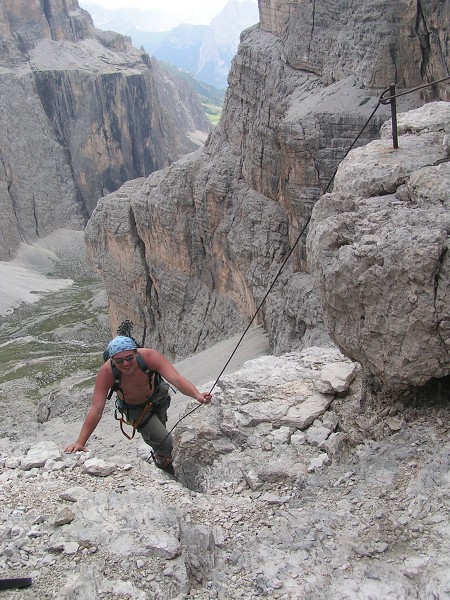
{"points": [[205, 238], [82, 112], [379, 251], [381, 41]]}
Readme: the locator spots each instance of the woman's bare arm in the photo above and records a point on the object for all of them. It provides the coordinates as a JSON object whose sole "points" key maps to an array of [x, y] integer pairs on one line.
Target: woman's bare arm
{"points": [[103, 382], [156, 361]]}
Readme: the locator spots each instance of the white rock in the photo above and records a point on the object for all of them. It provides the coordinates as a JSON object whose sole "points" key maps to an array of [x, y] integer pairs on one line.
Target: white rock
{"points": [[13, 462], [74, 494], [275, 499], [64, 517], [429, 117], [446, 144], [336, 443], [396, 424], [99, 467], [304, 413], [336, 377], [330, 420], [54, 465], [38, 455], [71, 547], [298, 438], [56, 546], [163, 544], [253, 413], [316, 436], [251, 477], [281, 435], [31, 473], [318, 462]]}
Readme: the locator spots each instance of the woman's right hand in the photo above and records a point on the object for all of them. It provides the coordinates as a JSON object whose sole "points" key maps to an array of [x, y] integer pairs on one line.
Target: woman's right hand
{"points": [[76, 447]]}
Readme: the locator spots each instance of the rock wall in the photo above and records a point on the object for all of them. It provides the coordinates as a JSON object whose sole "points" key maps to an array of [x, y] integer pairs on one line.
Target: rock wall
{"points": [[379, 251], [381, 41], [206, 237], [82, 112]]}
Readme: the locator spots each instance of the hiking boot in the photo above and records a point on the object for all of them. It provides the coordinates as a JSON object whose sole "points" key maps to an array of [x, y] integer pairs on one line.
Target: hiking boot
{"points": [[165, 464]]}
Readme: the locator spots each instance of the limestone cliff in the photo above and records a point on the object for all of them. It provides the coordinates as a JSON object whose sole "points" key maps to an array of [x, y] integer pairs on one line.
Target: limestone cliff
{"points": [[188, 253], [82, 112]]}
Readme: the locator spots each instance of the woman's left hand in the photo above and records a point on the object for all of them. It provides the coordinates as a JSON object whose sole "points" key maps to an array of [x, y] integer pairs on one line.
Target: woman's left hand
{"points": [[204, 398]]}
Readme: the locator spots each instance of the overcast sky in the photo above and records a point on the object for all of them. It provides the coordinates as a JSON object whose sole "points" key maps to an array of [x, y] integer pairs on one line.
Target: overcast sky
{"points": [[197, 12]]}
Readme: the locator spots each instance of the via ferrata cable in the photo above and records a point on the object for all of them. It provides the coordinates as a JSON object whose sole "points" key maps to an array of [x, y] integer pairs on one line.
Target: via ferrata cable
{"points": [[280, 270]]}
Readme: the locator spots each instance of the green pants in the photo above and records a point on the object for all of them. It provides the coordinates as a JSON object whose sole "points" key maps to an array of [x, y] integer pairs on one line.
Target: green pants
{"points": [[153, 428]]}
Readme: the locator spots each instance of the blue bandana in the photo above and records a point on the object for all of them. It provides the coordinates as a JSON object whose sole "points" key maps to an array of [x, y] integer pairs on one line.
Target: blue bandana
{"points": [[120, 344]]}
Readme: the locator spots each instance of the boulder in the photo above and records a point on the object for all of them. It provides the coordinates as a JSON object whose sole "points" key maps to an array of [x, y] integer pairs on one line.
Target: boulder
{"points": [[39, 454], [378, 250]]}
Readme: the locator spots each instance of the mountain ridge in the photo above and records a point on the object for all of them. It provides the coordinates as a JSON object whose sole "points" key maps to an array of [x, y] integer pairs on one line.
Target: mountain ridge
{"points": [[84, 112], [206, 51]]}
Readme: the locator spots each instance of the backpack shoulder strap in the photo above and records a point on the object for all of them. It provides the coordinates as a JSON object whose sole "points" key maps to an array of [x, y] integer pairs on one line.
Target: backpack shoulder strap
{"points": [[116, 385], [154, 377], [143, 366]]}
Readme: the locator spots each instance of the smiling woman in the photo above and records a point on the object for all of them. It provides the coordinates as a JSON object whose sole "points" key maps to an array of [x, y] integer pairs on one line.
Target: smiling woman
{"points": [[137, 376]]}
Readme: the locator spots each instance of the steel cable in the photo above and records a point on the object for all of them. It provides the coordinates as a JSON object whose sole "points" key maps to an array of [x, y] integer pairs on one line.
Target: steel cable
{"points": [[381, 100]]}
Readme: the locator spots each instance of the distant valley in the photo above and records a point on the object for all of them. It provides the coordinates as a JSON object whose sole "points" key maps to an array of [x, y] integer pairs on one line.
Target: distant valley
{"points": [[203, 51]]}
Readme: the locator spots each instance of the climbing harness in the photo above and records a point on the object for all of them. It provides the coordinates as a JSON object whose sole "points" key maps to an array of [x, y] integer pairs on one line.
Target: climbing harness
{"points": [[159, 399], [122, 408]]}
